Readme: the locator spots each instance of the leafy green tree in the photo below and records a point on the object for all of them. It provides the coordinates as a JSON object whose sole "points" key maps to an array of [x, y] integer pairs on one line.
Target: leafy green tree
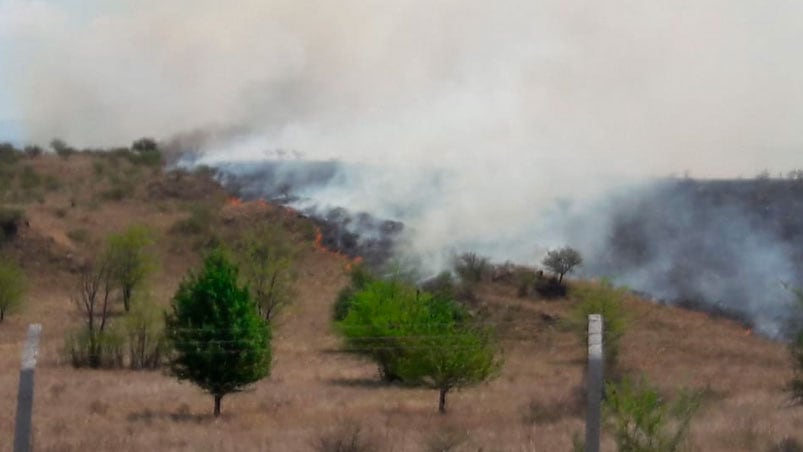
{"points": [[360, 276], [562, 261], [449, 356], [131, 259], [641, 420], [220, 342], [12, 287], [266, 256], [379, 315], [419, 338]]}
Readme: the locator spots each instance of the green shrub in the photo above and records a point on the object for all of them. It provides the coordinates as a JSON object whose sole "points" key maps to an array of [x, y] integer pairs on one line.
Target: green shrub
{"points": [[7, 177], [342, 303], [198, 222], [606, 300], [33, 151], [29, 178], [98, 349], [144, 327], [79, 235], [442, 285], [524, 279], [549, 286], [118, 190], [61, 148], [418, 338], [98, 167], [641, 420], [360, 277], [10, 220], [12, 287], [8, 154], [52, 183]]}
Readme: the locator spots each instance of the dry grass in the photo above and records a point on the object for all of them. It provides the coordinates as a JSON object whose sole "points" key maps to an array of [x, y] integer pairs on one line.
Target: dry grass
{"points": [[531, 406]]}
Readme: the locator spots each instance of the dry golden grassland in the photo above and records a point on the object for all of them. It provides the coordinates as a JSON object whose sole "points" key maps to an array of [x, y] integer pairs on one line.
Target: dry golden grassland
{"points": [[315, 390]]}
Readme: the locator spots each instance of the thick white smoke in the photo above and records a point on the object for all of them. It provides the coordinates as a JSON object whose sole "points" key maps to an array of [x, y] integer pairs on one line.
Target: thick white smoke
{"points": [[545, 89]]}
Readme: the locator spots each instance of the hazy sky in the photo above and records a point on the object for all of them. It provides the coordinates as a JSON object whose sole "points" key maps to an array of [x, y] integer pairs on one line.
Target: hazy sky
{"points": [[579, 87]]}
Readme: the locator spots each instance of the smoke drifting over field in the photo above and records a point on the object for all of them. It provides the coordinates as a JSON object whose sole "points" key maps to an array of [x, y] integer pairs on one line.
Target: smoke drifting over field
{"points": [[469, 120]]}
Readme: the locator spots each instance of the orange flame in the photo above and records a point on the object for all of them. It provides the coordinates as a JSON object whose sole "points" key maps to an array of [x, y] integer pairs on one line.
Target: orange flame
{"points": [[234, 202], [319, 241], [320, 247]]}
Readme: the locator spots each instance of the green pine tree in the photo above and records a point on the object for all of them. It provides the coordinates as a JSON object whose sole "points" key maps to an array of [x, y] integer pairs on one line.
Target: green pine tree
{"points": [[220, 342]]}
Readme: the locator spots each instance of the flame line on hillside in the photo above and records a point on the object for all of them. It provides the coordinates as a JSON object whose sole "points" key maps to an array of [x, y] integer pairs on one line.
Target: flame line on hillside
{"points": [[235, 202], [320, 247]]}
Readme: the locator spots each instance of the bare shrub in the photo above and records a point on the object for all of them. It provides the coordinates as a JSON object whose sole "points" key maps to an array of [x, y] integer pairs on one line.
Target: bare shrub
{"points": [[346, 437], [197, 223], [144, 327], [471, 267], [94, 345], [787, 444], [447, 440], [10, 220], [562, 261], [539, 412], [524, 278], [549, 286], [98, 349]]}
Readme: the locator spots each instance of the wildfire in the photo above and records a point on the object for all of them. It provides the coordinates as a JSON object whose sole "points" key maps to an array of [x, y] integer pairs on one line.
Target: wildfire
{"points": [[748, 332], [319, 246], [234, 202], [237, 202], [319, 241]]}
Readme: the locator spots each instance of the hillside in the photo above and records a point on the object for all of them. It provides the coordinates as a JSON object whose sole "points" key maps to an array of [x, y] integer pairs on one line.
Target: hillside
{"points": [[314, 388]]}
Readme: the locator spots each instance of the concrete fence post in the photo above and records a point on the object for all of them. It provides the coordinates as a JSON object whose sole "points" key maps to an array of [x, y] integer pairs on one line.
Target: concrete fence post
{"points": [[595, 385], [23, 428]]}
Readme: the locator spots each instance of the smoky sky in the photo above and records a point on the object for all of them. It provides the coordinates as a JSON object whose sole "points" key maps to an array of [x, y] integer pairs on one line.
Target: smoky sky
{"points": [[545, 90]]}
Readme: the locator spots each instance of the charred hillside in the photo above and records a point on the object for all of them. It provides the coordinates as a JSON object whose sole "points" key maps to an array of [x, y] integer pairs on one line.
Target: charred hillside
{"points": [[731, 247], [724, 245], [296, 183]]}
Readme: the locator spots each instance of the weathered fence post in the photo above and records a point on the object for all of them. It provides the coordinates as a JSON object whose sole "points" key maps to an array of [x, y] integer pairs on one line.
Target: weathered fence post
{"points": [[594, 390], [23, 429]]}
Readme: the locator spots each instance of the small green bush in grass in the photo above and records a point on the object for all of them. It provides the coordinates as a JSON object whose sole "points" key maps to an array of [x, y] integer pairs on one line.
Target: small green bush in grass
{"points": [[642, 420], [606, 300]]}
